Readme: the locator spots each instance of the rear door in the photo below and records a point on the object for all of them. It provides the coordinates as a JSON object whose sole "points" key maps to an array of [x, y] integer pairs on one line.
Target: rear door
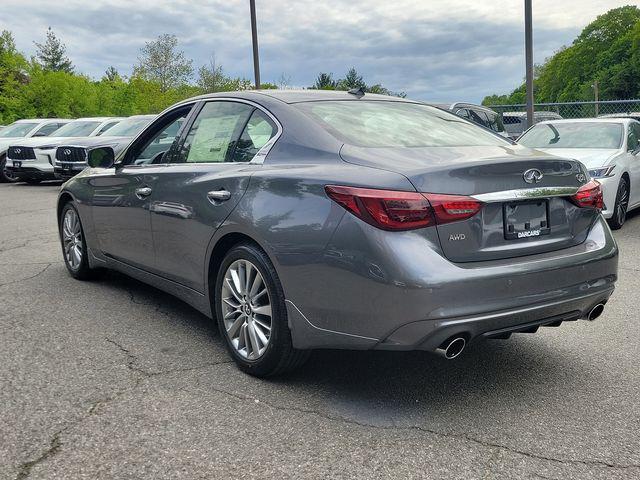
{"points": [[633, 154], [203, 182]]}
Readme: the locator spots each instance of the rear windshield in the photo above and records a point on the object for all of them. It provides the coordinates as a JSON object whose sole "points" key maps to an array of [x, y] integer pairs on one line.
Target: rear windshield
{"points": [[574, 135], [396, 124], [17, 129], [128, 127], [77, 129]]}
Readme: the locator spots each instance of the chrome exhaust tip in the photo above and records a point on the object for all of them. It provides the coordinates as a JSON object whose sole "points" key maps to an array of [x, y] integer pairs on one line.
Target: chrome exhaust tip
{"points": [[451, 348], [596, 311]]}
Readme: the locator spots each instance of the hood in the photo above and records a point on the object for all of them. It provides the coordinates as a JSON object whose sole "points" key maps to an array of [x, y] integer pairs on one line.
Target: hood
{"points": [[38, 141], [7, 142], [102, 141], [590, 157]]}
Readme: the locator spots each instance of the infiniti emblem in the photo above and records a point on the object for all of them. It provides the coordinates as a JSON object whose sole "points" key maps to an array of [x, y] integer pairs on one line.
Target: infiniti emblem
{"points": [[533, 175], [18, 150], [67, 151]]}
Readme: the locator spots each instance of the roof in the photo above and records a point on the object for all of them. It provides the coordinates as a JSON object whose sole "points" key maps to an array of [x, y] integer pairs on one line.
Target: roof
{"points": [[589, 120], [39, 120], [296, 96]]}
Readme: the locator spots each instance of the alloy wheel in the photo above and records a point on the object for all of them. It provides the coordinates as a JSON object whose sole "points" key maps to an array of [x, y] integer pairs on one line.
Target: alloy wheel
{"points": [[72, 239], [623, 202], [246, 309]]}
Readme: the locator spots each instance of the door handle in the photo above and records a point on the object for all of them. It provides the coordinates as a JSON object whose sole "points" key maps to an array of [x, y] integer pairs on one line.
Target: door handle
{"points": [[219, 195], [143, 192]]}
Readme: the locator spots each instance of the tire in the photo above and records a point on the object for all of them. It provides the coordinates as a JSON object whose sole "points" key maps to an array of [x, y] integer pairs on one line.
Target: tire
{"points": [[245, 311], [621, 205], [79, 270], [5, 176]]}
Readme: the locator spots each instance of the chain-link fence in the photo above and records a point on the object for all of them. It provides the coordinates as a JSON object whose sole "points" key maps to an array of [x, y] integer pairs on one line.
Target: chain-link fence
{"points": [[577, 109]]}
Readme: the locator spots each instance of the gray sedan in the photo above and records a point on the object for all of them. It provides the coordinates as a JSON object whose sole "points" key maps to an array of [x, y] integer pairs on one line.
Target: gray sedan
{"points": [[314, 219]]}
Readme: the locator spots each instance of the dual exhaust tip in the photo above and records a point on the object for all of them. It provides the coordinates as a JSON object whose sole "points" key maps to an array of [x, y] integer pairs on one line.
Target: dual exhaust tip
{"points": [[454, 346]]}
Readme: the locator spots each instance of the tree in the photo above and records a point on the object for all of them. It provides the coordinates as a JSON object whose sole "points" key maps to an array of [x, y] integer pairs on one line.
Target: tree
{"points": [[606, 50], [325, 81], [111, 74], [352, 80], [211, 78], [283, 81], [12, 78], [51, 54], [161, 61]]}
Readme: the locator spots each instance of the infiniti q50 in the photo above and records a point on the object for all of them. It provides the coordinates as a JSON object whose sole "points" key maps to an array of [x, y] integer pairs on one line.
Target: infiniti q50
{"points": [[310, 219]]}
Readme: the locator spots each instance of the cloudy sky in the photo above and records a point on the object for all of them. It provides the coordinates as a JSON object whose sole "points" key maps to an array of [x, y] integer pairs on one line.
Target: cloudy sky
{"points": [[433, 50]]}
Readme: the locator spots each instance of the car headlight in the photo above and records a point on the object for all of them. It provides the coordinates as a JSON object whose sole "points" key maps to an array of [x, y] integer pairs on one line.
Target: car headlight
{"points": [[602, 172]]}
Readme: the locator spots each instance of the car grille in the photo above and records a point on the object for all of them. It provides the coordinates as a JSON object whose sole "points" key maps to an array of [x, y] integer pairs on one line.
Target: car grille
{"points": [[71, 154], [21, 153]]}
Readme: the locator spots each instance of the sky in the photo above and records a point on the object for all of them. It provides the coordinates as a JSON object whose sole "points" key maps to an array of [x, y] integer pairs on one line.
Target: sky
{"points": [[433, 50]]}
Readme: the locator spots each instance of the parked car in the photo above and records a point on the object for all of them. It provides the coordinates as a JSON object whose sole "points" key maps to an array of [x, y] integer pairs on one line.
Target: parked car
{"points": [[483, 116], [71, 157], [610, 150], [34, 127], [324, 219], [515, 123], [31, 160]]}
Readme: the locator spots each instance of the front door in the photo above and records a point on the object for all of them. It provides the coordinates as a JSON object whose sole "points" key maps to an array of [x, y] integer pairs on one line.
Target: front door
{"points": [[203, 183], [123, 195]]}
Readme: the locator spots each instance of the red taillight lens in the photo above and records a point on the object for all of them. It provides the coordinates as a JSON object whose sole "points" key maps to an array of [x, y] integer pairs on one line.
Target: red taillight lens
{"points": [[393, 210], [589, 195], [451, 208], [386, 209]]}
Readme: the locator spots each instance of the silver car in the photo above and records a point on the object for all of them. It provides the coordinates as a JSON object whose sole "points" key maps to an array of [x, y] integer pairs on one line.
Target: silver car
{"points": [[318, 219]]}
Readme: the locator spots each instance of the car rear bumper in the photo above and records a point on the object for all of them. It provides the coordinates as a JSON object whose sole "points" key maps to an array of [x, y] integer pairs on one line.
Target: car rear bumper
{"points": [[396, 291]]}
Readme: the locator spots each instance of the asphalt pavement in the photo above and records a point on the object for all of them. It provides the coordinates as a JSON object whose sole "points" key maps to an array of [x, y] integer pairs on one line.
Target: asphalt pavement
{"points": [[115, 379]]}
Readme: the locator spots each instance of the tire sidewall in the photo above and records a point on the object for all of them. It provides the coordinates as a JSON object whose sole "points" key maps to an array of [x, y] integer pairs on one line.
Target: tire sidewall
{"points": [[614, 223], [3, 177], [279, 328]]}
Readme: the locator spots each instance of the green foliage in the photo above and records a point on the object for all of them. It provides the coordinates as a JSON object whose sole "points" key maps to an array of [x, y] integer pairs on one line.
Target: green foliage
{"points": [[162, 62], [325, 81], [51, 55], [607, 51]]}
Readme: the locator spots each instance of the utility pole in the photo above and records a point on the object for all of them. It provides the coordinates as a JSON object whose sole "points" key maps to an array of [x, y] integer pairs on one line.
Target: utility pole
{"points": [[528, 54], [596, 94], [254, 37]]}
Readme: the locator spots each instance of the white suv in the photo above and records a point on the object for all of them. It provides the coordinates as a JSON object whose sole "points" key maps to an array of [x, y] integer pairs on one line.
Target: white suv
{"points": [[33, 127], [31, 160]]}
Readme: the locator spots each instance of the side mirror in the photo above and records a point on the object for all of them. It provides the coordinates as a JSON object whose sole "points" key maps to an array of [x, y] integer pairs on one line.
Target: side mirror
{"points": [[101, 157]]}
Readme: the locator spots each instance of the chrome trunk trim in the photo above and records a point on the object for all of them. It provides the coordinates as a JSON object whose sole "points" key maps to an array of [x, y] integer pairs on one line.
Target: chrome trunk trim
{"points": [[525, 193]]}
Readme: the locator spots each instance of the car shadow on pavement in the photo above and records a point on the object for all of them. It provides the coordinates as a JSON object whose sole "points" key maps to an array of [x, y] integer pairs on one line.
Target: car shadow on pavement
{"points": [[377, 385]]}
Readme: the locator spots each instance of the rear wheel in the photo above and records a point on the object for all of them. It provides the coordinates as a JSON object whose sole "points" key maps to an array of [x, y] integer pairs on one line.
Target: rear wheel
{"points": [[621, 205], [6, 176], [251, 313]]}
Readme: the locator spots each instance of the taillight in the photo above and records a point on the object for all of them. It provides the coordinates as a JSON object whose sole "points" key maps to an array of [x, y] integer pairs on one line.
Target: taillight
{"points": [[395, 210], [589, 195]]}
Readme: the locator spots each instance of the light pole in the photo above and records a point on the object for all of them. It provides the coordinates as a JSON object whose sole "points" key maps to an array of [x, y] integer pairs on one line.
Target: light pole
{"points": [[528, 54], [254, 37]]}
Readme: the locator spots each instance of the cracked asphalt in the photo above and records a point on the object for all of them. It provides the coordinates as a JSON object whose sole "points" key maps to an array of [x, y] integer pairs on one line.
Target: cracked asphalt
{"points": [[114, 379]]}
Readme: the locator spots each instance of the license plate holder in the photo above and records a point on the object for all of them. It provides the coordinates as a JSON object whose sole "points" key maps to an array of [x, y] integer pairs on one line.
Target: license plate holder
{"points": [[17, 164], [526, 219]]}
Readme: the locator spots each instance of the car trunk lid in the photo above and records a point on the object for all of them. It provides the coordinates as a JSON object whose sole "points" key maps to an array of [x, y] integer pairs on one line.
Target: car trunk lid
{"points": [[519, 216]]}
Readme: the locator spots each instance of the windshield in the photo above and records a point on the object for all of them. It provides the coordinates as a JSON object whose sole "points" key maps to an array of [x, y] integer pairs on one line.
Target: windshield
{"points": [[76, 129], [128, 127], [17, 129], [574, 135], [396, 124]]}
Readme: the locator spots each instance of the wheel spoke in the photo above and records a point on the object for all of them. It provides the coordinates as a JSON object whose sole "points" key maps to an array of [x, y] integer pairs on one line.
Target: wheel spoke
{"points": [[257, 283], [253, 338], [237, 282], [237, 323], [263, 310], [232, 289], [261, 336]]}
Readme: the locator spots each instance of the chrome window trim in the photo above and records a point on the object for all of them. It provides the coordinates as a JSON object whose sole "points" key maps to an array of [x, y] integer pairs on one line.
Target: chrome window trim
{"points": [[258, 158], [525, 193]]}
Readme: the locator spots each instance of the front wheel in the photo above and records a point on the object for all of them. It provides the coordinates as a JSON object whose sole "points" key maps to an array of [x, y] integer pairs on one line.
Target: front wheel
{"points": [[74, 244], [6, 176], [621, 205], [251, 313]]}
